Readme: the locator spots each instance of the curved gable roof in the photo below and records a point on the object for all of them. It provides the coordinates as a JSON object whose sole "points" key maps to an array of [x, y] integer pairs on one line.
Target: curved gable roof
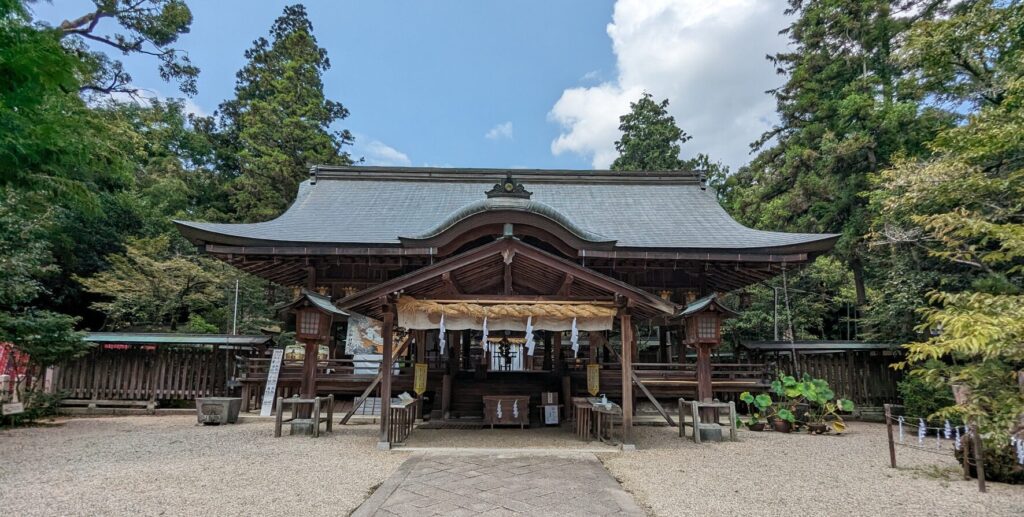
{"points": [[375, 206]]}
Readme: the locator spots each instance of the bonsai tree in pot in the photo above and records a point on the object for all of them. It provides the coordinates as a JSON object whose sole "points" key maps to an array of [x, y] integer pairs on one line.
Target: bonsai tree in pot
{"points": [[757, 409]]}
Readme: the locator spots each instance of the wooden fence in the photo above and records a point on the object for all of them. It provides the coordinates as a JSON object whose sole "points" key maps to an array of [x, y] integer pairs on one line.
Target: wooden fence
{"points": [[861, 376], [147, 373]]}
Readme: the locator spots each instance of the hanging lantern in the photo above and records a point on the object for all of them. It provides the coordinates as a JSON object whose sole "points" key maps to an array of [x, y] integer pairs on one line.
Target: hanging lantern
{"points": [[703, 320]]}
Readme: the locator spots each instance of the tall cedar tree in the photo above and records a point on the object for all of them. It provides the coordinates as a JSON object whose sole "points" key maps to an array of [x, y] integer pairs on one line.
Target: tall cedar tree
{"points": [[651, 140], [279, 123], [844, 113]]}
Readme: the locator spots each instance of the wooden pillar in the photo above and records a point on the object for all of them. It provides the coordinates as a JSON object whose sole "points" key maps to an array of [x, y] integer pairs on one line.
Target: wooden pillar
{"points": [[663, 345], [547, 350], [705, 391], [682, 345], [596, 342], [308, 388], [556, 354], [626, 324], [387, 332], [421, 345]]}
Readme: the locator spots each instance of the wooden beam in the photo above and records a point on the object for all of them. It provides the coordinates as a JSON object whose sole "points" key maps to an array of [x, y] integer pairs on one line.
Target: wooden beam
{"points": [[566, 285], [449, 283]]}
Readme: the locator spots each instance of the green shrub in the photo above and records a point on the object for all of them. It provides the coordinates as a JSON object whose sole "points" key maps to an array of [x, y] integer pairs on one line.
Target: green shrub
{"points": [[921, 399]]}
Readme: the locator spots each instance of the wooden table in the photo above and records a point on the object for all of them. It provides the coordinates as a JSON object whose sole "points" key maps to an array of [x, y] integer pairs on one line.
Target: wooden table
{"points": [[315, 418], [604, 422], [507, 402], [583, 419]]}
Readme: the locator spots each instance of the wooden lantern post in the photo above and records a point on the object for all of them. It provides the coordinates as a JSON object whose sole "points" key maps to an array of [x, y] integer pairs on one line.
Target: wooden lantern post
{"points": [[314, 316], [704, 332]]}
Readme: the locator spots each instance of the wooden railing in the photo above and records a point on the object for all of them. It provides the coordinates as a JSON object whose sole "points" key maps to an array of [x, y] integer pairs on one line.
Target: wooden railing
{"points": [[403, 418]]}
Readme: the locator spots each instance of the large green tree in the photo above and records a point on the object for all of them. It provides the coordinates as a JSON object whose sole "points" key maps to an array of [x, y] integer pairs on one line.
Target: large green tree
{"points": [[845, 111], [651, 140], [280, 122], [962, 210]]}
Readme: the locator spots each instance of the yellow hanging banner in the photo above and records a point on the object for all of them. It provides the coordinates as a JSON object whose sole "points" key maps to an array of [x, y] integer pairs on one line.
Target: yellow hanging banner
{"points": [[419, 381], [593, 378]]}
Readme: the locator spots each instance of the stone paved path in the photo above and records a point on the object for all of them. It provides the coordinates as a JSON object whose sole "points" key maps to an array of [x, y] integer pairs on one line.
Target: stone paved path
{"points": [[500, 484]]}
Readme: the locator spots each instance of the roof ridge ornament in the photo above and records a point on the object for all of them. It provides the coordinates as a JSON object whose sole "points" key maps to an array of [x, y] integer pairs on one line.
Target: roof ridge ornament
{"points": [[509, 187]]}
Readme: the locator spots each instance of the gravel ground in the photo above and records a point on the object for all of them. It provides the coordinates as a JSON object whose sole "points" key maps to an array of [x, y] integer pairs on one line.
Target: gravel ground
{"points": [[798, 474], [169, 466]]}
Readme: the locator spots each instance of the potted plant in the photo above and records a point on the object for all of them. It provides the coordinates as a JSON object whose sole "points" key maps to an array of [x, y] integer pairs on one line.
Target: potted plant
{"points": [[784, 420], [814, 402], [757, 409]]}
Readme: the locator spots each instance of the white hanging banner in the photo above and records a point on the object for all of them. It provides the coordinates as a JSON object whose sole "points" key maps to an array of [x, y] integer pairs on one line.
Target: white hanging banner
{"points": [[483, 340], [530, 344], [574, 338], [442, 340], [272, 374]]}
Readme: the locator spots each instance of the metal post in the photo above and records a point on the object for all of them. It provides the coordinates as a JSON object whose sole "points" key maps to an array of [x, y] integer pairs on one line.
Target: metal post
{"points": [[234, 320]]}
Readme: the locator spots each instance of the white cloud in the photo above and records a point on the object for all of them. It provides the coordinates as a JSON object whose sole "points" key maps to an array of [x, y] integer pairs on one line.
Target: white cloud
{"points": [[501, 131], [707, 58], [378, 153]]}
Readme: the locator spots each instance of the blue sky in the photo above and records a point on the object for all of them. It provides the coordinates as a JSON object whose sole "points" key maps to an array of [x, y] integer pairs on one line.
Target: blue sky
{"points": [[511, 84]]}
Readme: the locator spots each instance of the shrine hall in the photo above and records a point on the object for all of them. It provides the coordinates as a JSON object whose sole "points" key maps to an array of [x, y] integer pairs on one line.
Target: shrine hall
{"points": [[505, 297]]}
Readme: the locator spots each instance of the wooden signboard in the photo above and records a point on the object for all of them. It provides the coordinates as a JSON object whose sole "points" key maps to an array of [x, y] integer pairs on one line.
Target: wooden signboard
{"points": [[272, 375], [593, 378], [13, 408], [419, 383]]}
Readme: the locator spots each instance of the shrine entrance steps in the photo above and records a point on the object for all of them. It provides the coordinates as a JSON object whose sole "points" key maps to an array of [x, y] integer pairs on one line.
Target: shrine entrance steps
{"points": [[500, 484]]}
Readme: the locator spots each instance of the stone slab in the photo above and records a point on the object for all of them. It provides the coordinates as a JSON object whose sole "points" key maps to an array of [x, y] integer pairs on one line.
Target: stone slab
{"points": [[500, 484]]}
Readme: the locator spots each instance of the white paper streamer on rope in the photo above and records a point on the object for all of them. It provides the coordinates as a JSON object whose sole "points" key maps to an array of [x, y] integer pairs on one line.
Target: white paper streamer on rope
{"points": [[574, 338], [530, 343], [900, 422], [948, 430], [498, 411], [956, 438], [515, 409], [487, 344], [1018, 445], [922, 429], [441, 341]]}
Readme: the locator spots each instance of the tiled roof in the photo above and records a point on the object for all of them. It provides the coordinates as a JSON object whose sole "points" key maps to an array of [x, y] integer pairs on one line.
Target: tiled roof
{"points": [[377, 205]]}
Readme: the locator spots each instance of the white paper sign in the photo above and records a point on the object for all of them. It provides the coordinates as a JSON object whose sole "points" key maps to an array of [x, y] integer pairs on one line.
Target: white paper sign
{"points": [[13, 408], [550, 414], [272, 374]]}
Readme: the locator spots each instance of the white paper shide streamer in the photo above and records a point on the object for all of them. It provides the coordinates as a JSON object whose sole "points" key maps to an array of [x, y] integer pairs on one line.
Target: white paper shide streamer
{"points": [[497, 412], [487, 345], [574, 338], [900, 422], [922, 429], [956, 438], [948, 430], [530, 344], [515, 409], [441, 342]]}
